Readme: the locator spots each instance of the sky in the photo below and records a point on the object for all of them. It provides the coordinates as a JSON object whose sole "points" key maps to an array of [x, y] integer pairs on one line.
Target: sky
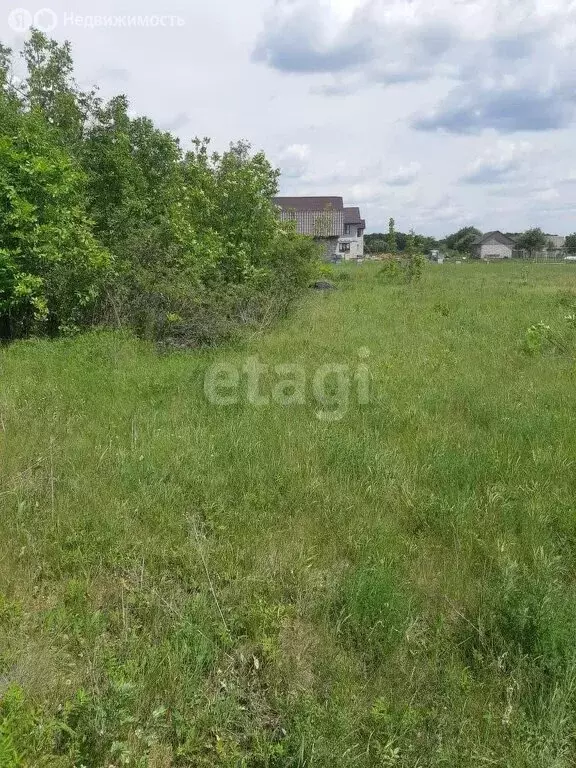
{"points": [[439, 113]]}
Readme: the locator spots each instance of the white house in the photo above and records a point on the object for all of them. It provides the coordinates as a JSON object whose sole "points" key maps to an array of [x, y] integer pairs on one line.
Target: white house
{"points": [[494, 245], [351, 243]]}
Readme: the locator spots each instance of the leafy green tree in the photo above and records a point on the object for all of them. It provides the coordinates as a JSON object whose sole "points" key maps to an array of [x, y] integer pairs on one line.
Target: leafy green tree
{"points": [[229, 197], [133, 181], [244, 212], [411, 243], [426, 244], [378, 242], [392, 243], [51, 90], [51, 267], [571, 244], [375, 243], [463, 240], [414, 265], [533, 241], [103, 213], [401, 240]]}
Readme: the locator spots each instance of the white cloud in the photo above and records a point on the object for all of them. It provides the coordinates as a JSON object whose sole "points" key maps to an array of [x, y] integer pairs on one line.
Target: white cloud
{"points": [[503, 161], [294, 160], [510, 61], [366, 192], [405, 175], [547, 195]]}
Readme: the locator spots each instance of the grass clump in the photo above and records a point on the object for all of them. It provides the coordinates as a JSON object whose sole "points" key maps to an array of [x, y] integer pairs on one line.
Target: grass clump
{"points": [[371, 611]]}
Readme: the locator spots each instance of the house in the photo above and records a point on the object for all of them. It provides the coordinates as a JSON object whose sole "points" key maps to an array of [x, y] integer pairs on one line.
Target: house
{"points": [[326, 219], [556, 245], [493, 245], [351, 245], [557, 242]]}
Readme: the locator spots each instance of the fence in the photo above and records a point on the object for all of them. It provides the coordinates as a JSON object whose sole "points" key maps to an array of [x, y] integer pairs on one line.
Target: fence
{"points": [[540, 256]]}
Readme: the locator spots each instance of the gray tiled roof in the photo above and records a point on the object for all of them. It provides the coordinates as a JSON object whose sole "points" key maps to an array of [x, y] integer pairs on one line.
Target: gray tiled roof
{"points": [[496, 235], [352, 216], [319, 216], [310, 203]]}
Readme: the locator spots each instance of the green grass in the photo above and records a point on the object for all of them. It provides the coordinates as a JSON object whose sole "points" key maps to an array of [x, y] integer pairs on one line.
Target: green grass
{"points": [[183, 584]]}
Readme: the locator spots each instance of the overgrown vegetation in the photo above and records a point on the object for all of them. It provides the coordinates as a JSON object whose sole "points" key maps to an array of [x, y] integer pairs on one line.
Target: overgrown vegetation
{"points": [[408, 267], [459, 245], [104, 218], [378, 242], [183, 584]]}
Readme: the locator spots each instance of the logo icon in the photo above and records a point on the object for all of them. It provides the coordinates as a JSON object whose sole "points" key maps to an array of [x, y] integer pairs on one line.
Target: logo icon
{"points": [[20, 20], [45, 20]]}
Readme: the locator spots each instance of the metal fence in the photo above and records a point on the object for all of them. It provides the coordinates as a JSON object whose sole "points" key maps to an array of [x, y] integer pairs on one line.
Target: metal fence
{"points": [[541, 256]]}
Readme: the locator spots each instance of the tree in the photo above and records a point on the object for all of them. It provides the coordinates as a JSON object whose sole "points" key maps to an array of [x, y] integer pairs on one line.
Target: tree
{"points": [[414, 260], [392, 243], [462, 240], [230, 195], [411, 243], [134, 180], [103, 215], [50, 89], [571, 244], [533, 240], [426, 244], [375, 243], [51, 266]]}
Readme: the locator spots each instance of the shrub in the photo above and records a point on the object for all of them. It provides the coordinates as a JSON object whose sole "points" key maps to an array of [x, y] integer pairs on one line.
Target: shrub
{"points": [[542, 339], [390, 271], [414, 267], [103, 218], [51, 267]]}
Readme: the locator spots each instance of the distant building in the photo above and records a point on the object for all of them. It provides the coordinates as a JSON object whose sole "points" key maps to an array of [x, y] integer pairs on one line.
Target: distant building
{"points": [[493, 245], [556, 243], [325, 218], [351, 245]]}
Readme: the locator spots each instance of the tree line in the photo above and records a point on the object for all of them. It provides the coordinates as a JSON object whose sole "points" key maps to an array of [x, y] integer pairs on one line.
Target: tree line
{"points": [[459, 243], [105, 218]]}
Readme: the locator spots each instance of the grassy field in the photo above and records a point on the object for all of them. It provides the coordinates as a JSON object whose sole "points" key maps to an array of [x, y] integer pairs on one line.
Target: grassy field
{"points": [[191, 584]]}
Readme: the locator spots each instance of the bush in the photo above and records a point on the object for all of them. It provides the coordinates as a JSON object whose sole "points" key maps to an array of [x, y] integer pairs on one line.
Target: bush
{"points": [[51, 268], [176, 308], [542, 339], [414, 267], [104, 219], [390, 271]]}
